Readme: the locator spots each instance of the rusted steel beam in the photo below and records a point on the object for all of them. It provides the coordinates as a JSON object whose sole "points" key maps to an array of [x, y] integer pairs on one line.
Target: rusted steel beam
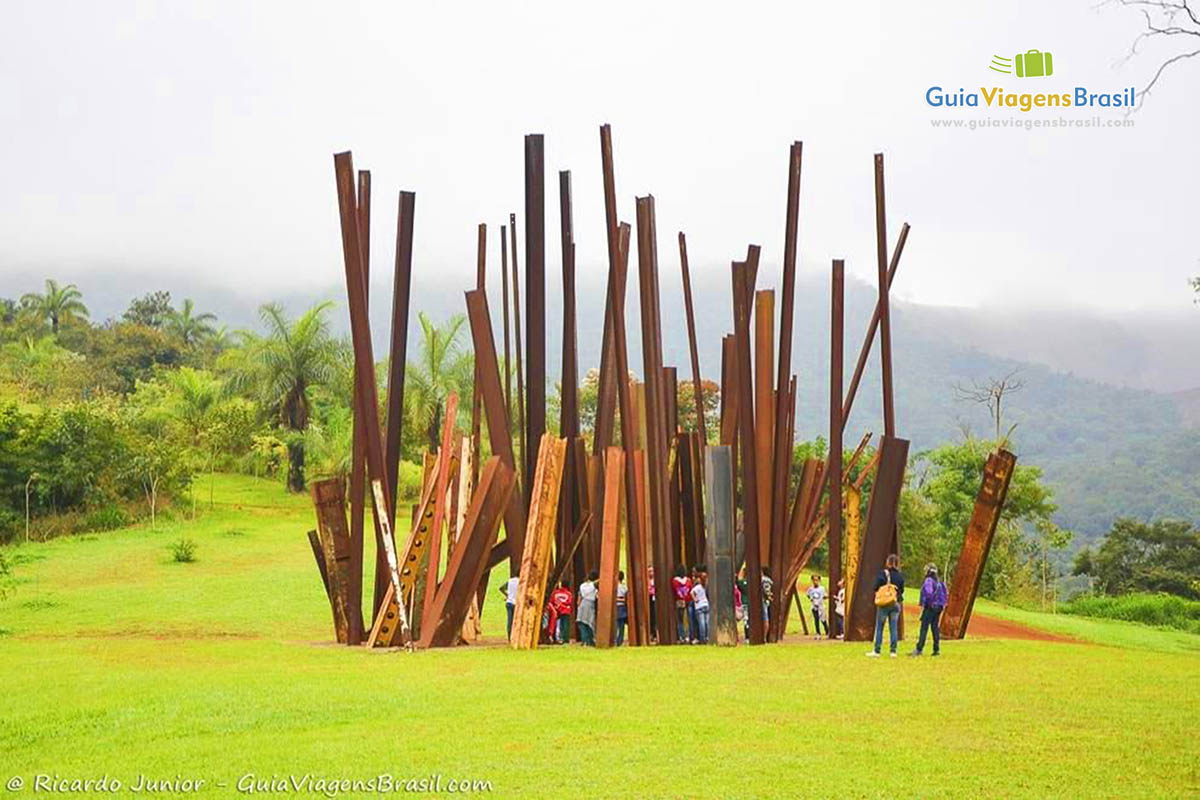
{"points": [[358, 464], [444, 616], [315, 542], [881, 526], [764, 416], [693, 351], [719, 525], [329, 502], [781, 445], [610, 547], [568, 518], [742, 297], [481, 284], [397, 361], [498, 432], [639, 593], [780, 534], [539, 536], [729, 401], [516, 307], [441, 485], [367, 399], [641, 516], [691, 491], [670, 378], [535, 301], [977, 542], [853, 510], [865, 351], [656, 445], [885, 325], [504, 300], [836, 355]]}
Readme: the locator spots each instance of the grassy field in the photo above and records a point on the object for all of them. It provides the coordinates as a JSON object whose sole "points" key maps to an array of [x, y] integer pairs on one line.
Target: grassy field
{"points": [[120, 662]]}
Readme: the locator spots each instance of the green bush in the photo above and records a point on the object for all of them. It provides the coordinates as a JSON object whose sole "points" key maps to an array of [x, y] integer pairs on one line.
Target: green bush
{"points": [[12, 525], [184, 551], [1159, 610], [106, 518]]}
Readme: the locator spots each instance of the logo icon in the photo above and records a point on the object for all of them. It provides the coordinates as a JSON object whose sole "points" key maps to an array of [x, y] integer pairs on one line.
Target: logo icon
{"points": [[1030, 64]]}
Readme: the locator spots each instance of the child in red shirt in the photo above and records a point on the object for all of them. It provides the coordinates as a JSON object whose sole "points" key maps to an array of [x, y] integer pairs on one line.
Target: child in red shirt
{"points": [[561, 605], [682, 588]]}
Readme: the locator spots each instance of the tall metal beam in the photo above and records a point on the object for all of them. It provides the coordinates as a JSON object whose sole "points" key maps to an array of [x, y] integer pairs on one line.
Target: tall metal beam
{"points": [[397, 360], [693, 350], [504, 300], [881, 526], [836, 355], [358, 464], [764, 414], [742, 296], [610, 547], [569, 516], [481, 284], [535, 299], [639, 593], [719, 515], [885, 325], [516, 306]]}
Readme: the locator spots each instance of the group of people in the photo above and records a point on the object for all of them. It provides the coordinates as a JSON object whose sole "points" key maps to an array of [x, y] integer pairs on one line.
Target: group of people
{"points": [[692, 608]]}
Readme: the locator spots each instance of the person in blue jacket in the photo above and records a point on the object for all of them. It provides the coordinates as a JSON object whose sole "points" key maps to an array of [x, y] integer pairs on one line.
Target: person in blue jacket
{"points": [[890, 613], [933, 602]]}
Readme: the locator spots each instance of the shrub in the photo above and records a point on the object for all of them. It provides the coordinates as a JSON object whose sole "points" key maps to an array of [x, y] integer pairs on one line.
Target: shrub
{"points": [[12, 525], [106, 518], [1159, 610], [184, 551]]}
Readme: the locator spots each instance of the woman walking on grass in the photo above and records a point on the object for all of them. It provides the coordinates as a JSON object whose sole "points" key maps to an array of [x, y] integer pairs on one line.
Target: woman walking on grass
{"points": [[889, 596]]}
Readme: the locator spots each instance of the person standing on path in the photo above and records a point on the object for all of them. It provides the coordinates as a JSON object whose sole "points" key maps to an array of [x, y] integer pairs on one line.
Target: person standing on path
{"points": [[588, 592], [889, 597], [933, 602], [816, 595], [509, 590]]}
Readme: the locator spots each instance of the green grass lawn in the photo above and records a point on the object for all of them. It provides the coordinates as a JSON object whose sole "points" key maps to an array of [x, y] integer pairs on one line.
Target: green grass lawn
{"points": [[119, 661]]}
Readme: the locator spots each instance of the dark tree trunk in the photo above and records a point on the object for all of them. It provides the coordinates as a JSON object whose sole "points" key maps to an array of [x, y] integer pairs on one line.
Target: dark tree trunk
{"points": [[295, 479]]}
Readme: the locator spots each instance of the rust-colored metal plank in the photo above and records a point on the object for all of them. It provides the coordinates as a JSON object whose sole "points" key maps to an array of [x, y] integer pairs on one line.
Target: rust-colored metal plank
{"points": [[507, 338], [442, 484], [764, 415], [742, 297], [498, 431], [397, 361], [641, 517], [569, 516], [639, 594], [535, 300], [693, 350], [885, 325], [481, 284], [656, 445], [881, 526], [445, 615], [719, 514], [729, 399], [610, 547], [358, 464], [367, 399], [539, 536], [977, 542], [836, 355], [329, 502], [517, 349]]}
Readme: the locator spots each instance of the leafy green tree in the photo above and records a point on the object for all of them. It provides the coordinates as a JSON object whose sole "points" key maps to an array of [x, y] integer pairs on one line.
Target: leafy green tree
{"points": [[189, 327], [443, 366], [1161, 556], [58, 304], [283, 367], [151, 309], [122, 354]]}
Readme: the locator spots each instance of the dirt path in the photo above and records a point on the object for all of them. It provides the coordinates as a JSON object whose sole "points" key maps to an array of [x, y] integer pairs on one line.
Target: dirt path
{"points": [[993, 627]]}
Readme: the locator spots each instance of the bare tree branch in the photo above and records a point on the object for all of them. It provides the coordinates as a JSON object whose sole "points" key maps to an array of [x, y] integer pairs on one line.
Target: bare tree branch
{"points": [[1162, 18]]}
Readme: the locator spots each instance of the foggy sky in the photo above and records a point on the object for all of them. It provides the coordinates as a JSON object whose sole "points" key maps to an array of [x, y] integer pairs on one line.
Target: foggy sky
{"points": [[192, 142]]}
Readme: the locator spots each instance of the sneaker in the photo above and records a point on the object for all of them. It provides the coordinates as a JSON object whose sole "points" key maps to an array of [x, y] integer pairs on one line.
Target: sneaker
{"points": [[892, 654], [872, 654], [936, 653], [815, 638], [915, 654]]}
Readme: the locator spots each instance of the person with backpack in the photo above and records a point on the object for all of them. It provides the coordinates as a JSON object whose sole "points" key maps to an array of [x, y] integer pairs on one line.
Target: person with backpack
{"points": [[889, 595], [933, 602]]}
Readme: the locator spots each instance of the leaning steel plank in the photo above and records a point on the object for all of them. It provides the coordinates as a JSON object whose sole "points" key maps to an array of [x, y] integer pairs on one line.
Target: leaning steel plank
{"points": [[539, 536], [977, 542], [719, 511], [386, 629], [444, 617], [497, 425], [358, 463], [441, 486], [881, 525], [610, 548], [535, 299], [329, 501]]}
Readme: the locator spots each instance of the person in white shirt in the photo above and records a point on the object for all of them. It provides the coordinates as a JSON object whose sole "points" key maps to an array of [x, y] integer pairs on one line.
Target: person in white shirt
{"points": [[700, 603], [585, 618], [816, 594], [509, 590], [839, 610], [622, 607]]}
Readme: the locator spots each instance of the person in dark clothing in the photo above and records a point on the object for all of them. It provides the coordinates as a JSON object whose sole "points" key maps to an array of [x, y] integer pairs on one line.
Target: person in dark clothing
{"points": [[933, 602], [890, 575]]}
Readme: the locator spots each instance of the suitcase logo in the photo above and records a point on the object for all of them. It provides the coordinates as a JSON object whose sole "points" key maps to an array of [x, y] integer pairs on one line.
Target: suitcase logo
{"points": [[1030, 64]]}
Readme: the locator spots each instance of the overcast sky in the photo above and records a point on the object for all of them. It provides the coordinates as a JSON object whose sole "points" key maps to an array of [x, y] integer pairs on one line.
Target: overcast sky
{"points": [[193, 141]]}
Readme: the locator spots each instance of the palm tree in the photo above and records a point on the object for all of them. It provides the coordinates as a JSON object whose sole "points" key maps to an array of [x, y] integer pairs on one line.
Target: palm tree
{"points": [[57, 304], [294, 357], [189, 327], [444, 367]]}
